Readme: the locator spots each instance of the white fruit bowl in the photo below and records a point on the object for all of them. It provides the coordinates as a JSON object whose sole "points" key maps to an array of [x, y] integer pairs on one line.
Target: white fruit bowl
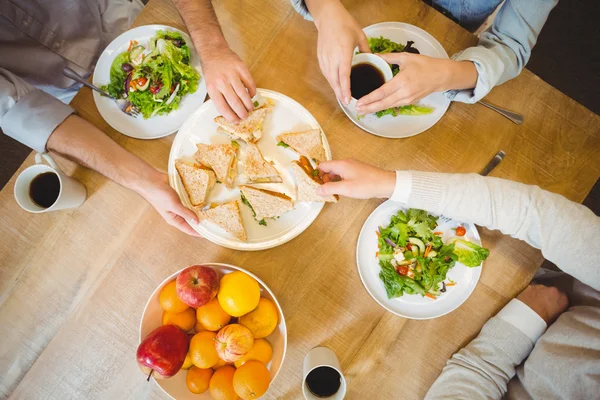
{"points": [[175, 386]]}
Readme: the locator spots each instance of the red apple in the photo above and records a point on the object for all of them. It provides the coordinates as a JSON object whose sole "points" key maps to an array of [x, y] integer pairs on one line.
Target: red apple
{"points": [[233, 342], [163, 351], [197, 285]]}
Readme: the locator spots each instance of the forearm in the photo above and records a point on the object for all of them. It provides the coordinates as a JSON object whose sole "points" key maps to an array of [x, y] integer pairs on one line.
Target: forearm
{"points": [[202, 24], [83, 143], [318, 8]]}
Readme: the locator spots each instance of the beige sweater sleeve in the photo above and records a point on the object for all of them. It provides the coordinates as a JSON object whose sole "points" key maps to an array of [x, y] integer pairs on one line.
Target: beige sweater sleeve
{"points": [[567, 234]]}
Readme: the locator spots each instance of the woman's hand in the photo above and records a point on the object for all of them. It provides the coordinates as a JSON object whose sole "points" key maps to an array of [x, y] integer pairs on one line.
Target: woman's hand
{"points": [[419, 76], [358, 180]]}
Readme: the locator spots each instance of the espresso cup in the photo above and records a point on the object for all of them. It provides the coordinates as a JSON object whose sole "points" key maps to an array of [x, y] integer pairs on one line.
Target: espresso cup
{"points": [[71, 193], [377, 62], [323, 357]]}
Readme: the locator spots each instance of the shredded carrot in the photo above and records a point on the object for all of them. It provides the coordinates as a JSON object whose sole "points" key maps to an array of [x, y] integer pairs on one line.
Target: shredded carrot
{"points": [[376, 254], [430, 296], [130, 45], [438, 233], [377, 233], [427, 250], [450, 284]]}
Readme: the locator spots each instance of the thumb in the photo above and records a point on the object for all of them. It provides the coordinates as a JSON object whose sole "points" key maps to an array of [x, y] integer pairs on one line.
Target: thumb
{"points": [[392, 58], [363, 43], [337, 167], [341, 187]]}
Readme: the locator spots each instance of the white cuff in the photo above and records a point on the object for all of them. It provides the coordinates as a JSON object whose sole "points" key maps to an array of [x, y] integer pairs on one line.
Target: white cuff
{"points": [[403, 187], [522, 317]]}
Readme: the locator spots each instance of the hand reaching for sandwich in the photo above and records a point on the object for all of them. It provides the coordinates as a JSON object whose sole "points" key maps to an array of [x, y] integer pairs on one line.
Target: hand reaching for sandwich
{"points": [[358, 180], [229, 84]]}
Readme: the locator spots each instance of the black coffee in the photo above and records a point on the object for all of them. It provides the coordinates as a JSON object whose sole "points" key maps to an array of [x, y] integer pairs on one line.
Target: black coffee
{"points": [[323, 381], [364, 78], [44, 189]]}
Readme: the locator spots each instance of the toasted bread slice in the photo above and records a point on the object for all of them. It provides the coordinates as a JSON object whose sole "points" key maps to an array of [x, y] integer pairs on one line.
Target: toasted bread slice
{"points": [[308, 143], [266, 203], [221, 158], [248, 129], [258, 170], [308, 181], [197, 181], [228, 217]]}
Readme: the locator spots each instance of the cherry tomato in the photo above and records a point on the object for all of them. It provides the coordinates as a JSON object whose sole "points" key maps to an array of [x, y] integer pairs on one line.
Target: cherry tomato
{"points": [[402, 270], [460, 231], [141, 81]]}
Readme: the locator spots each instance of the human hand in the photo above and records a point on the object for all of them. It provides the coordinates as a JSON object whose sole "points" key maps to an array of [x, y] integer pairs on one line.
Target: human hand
{"points": [[359, 180], [166, 202], [339, 34], [547, 301], [227, 79]]}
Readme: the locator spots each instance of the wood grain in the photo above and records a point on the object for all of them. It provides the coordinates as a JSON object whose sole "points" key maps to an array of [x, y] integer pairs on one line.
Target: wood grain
{"points": [[73, 284]]}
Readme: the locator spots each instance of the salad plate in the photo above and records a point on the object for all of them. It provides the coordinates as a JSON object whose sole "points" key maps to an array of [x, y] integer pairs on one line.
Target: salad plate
{"points": [[443, 294], [155, 126], [402, 126], [286, 115]]}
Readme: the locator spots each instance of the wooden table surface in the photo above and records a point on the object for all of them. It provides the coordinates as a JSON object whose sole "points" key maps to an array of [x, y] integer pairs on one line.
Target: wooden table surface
{"points": [[73, 283]]}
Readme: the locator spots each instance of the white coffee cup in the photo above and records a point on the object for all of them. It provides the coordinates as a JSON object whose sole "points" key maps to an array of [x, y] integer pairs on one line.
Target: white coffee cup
{"points": [[322, 357], [377, 62], [71, 194]]}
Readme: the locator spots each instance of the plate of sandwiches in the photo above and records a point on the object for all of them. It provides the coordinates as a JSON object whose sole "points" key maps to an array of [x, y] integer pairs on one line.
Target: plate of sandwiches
{"points": [[252, 184]]}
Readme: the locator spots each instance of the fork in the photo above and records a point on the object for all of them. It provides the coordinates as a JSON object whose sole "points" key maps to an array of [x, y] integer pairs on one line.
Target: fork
{"points": [[124, 105]]}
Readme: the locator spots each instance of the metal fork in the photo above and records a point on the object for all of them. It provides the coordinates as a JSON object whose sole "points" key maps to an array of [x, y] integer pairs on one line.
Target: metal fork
{"points": [[124, 105]]}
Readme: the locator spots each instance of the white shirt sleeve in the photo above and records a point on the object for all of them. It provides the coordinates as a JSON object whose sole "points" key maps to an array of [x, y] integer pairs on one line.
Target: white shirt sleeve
{"points": [[522, 317], [403, 187]]}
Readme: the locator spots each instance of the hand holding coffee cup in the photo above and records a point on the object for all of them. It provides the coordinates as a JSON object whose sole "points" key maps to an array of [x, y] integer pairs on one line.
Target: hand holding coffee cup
{"points": [[369, 72], [41, 188]]}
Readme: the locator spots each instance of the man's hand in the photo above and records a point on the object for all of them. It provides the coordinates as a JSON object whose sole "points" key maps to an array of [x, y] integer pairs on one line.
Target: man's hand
{"points": [[359, 180], [339, 34], [229, 84], [164, 199], [547, 301], [419, 76]]}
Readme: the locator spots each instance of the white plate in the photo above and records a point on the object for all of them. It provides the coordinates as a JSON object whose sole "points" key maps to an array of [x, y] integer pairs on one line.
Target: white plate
{"points": [[404, 125], [157, 126], [175, 386], [287, 115], [413, 306]]}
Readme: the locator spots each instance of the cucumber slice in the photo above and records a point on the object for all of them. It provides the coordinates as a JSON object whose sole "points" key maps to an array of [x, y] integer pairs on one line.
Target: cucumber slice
{"points": [[432, 254], [419, 243], [136, 52]]}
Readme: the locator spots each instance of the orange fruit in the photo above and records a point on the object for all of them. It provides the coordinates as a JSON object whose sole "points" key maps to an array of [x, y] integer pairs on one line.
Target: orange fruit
{"points": [[251, 380], [239, 293], [187, 363], [198, 379], [211, 316], [261, 351], [221, 384], [169, 301], [221, 363], [262, 320], [185, 320], [202, 349], [198, 327]]}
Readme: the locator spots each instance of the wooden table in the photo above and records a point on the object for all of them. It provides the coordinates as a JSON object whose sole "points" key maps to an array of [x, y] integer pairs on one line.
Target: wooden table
{"points": [[73, 284]]}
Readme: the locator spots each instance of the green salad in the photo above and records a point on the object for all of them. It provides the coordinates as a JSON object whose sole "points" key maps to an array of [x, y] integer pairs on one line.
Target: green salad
{"points": [[415, 260], [154, 78], [383, 45]]}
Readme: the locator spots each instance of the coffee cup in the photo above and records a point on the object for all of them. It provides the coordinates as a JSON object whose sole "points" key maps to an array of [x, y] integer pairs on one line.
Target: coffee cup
{"points": [[322, 375], [379, 63], [42, 188]]}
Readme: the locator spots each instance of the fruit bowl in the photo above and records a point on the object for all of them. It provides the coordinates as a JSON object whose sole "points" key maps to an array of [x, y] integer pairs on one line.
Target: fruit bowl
{"points": [[175, 386]]}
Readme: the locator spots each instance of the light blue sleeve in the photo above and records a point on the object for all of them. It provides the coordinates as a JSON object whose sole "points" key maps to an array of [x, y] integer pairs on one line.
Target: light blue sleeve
{"points": [[505, 47], [300, 7]]}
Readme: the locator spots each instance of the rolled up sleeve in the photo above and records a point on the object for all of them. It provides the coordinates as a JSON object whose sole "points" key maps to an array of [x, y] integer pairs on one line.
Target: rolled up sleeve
{"points": [[300, 7], [504, 48], [27, 114]]}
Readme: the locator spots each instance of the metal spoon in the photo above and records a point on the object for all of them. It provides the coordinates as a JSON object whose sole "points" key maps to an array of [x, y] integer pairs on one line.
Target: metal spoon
{"points": [[514, 117], [124, 105]]}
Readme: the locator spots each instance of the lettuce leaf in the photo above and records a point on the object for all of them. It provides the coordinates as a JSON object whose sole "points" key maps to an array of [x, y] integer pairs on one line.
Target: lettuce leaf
{"points": [[116, 87], [470, 254]]}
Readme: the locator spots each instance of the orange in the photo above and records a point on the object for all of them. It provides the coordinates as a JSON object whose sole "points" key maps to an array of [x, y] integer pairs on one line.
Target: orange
{"points": [[262, 320], [221, 384], [239, 293], [211, 316], [261, 351], [183, 320], [221, 363], [202, 349], [198, 379], [198, 327], [187, 363], [251, 380], [169, 301]]}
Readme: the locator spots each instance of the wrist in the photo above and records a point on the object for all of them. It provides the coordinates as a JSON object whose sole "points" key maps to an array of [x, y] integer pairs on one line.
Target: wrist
{"points": [[319, 9], [147, 181], [459, 75], [387, 184]]}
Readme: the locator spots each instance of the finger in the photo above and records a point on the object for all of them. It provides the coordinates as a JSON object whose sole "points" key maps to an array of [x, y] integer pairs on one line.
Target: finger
{"points": [[243, 94], [344, 78], [341, 188], [248, 81], [393, 58], [337, 167], [181, 224], [234, 102], [223, 107], [180, 209], [393, 100], [363, 43]]}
